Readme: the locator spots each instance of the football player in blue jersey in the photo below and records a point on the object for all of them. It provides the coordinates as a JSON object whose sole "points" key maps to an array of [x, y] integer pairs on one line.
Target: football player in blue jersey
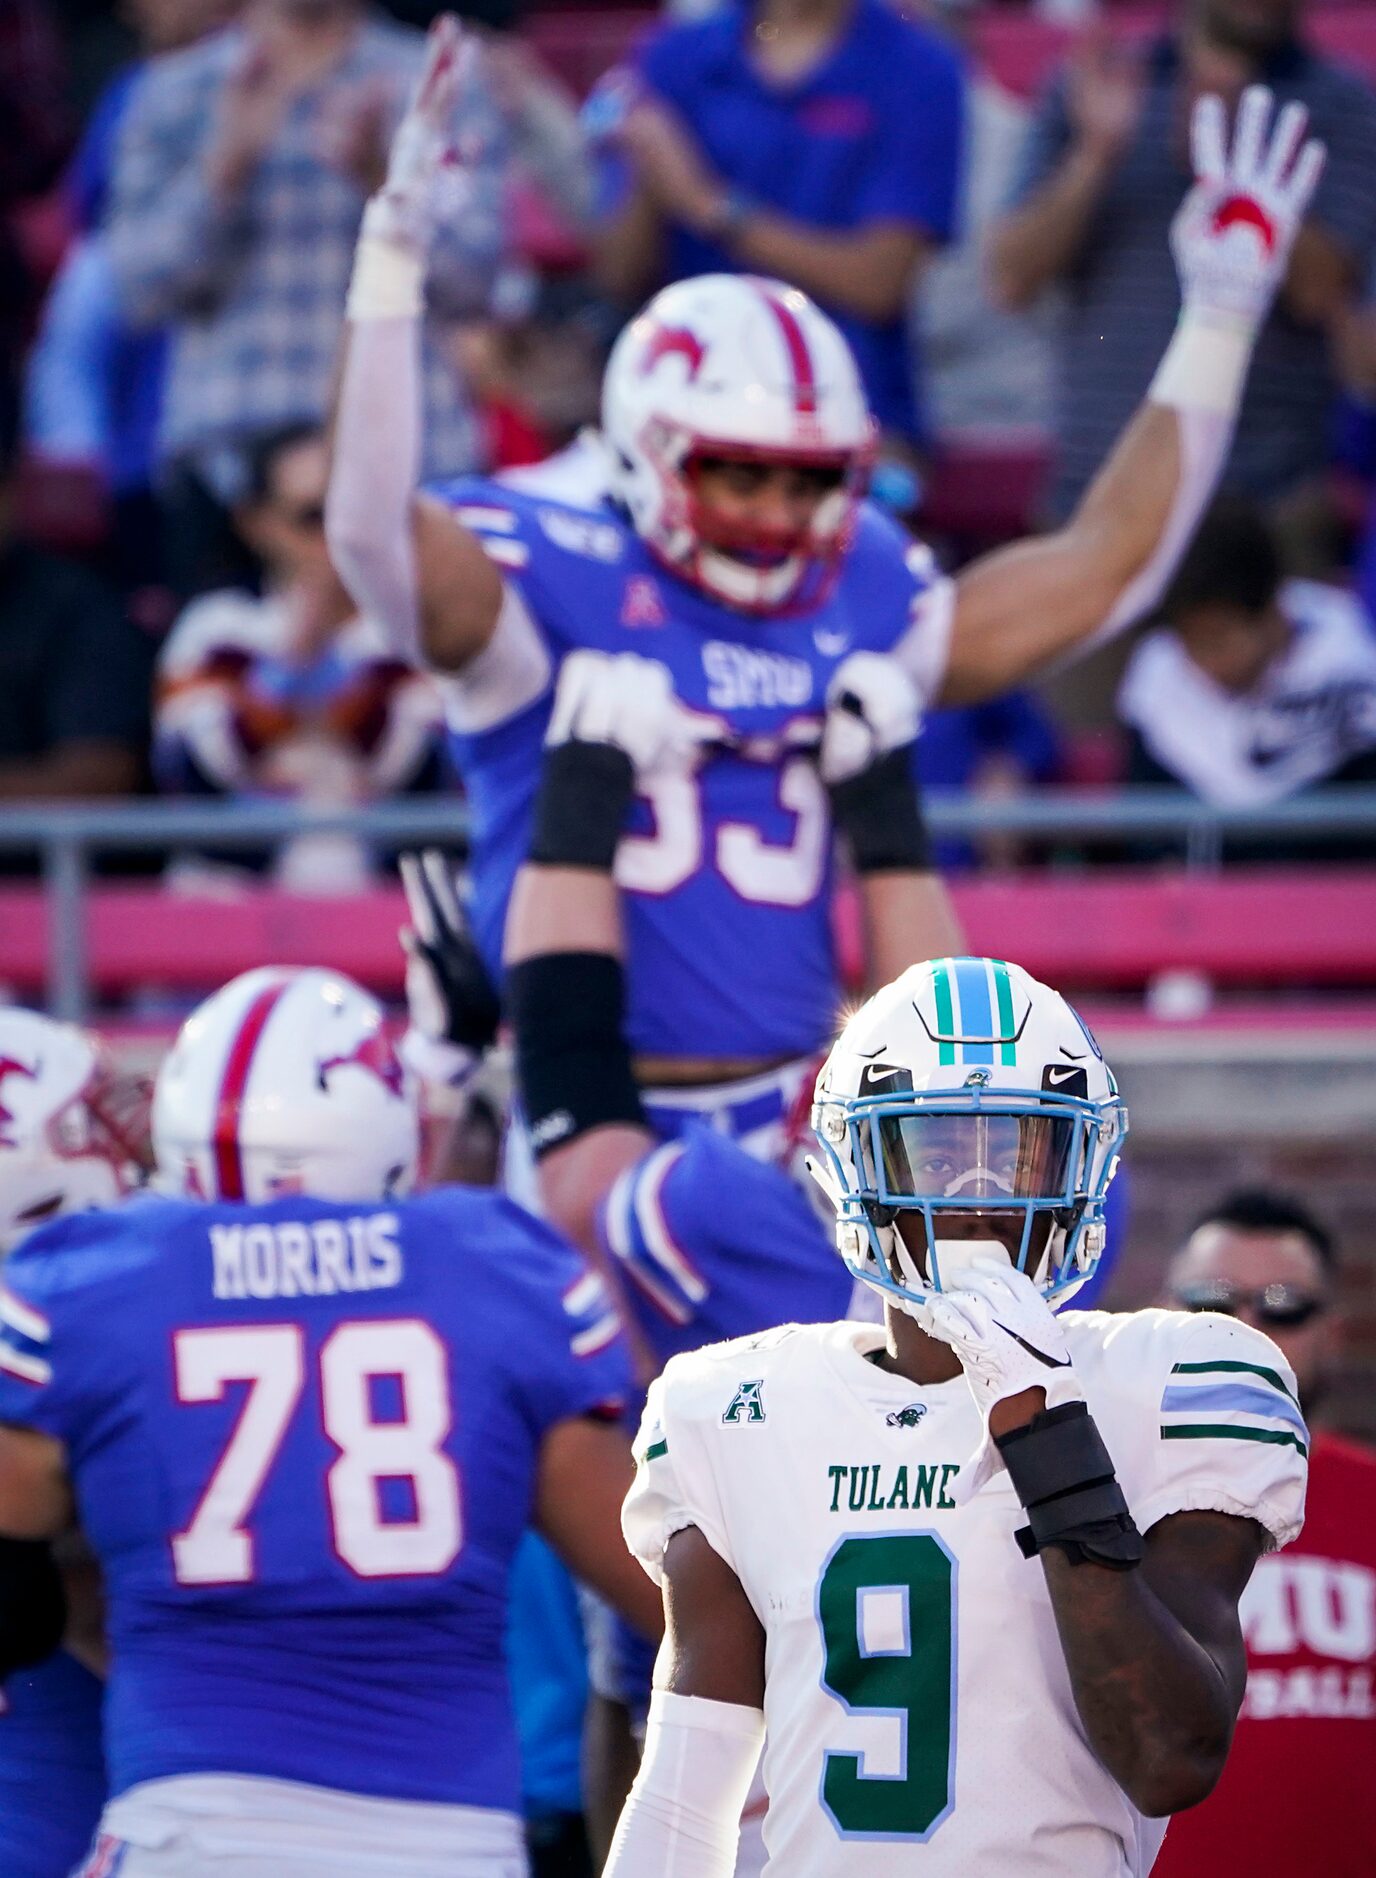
{"points": [[728, 536], [306, 1418], [73, 1135]]}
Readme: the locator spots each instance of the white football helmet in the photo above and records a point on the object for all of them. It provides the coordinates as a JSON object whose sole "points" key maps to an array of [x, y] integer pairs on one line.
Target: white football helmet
{"points": [[735, 367], [73, 1135], [972, 1095], [285, 1082]]}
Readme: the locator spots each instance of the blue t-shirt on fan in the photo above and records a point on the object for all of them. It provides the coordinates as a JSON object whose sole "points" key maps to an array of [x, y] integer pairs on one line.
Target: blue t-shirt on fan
{"points": [[304, 1438], [872, 134]]}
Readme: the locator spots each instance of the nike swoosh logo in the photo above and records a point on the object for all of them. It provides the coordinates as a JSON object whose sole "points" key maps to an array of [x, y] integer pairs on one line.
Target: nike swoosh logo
{"points": [[1052, 1362], [879, 1072], [1056, 1072]]}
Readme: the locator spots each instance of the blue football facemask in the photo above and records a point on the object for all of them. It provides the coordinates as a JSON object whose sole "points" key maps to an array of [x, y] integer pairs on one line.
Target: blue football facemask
{"points": [[974, 1165]]}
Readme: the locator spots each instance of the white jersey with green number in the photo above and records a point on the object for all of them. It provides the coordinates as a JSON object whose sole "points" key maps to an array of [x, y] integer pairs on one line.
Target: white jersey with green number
{"points": [[919, 1716]]}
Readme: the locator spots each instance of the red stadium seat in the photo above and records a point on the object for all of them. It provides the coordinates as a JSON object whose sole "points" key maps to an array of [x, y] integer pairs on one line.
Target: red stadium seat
{"points": [[1106, 930]]}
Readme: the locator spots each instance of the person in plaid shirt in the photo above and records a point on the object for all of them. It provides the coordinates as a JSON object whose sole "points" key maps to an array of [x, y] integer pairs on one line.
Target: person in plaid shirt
{"points": [[239, 183]]}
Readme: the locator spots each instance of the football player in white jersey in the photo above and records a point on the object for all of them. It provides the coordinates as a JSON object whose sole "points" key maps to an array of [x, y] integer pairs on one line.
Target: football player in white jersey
{"points": [[971, 1576]]}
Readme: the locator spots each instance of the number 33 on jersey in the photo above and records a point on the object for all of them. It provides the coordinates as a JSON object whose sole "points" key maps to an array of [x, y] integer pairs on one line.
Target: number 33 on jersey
{"points": [[918, 1714], [735, 859]]}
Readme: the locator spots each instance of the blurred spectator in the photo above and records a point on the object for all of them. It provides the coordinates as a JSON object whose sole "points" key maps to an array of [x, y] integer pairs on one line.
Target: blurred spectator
{"points": [[1255, 687], [535, 375], [35, 133], [1356, 439], [991, 750], [987, 370], [1297, 1795], [292, 694], [74, 673], [817, 141], [1105, 168], [549, 147], [94, 392], [239, 182]]}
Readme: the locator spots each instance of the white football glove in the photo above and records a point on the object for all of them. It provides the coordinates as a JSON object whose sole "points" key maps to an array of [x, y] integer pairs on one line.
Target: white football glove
{"points": [[627, 701], [425, 181], [1008, 1340], [873, 708], [1233, 233]]}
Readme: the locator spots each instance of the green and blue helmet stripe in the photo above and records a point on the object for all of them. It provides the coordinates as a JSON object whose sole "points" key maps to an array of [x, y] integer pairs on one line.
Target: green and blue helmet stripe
{"points": [[966, 992]]}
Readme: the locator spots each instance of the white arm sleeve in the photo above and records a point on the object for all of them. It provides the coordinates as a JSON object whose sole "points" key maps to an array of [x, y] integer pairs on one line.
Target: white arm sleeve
{"points": [[376, 467], [682, 1816], [1200, 378]]}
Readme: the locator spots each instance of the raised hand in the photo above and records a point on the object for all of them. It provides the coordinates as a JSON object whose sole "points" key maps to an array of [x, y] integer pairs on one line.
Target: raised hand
{"points": [[627, 702], [424, 181], [1008, 1342], [252, 105], [1234, 231], [873, 709], [1103, 92], [448, 992]]}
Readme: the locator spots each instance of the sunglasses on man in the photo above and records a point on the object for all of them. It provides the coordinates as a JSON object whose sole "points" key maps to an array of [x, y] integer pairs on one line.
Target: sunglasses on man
{"points": [[1282, 1307]]}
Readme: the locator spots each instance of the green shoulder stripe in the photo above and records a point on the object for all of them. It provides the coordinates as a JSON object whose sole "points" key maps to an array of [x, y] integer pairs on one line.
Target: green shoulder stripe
{"points": [[655, 1449], [1276, 1380], [1222, 1431]]}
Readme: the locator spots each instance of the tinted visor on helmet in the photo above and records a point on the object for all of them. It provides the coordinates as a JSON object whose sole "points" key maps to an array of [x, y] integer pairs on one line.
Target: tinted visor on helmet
{"points": [[972, 1157]]}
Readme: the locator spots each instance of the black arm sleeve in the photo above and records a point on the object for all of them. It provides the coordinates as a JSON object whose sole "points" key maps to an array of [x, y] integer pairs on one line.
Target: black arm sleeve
{"points": [[33, 1604]]}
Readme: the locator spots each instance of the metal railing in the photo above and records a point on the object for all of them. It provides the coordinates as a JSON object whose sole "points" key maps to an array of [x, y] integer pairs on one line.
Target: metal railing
{"points": [[65, 837]]}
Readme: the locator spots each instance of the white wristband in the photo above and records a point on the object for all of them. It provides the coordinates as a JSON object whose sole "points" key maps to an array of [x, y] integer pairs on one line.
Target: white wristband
{"points": [[388, 281], [1205, 364]]}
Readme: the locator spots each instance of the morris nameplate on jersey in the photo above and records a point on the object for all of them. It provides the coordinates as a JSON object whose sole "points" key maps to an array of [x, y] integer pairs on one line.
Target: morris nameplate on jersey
{"points": [[306, 1258]]}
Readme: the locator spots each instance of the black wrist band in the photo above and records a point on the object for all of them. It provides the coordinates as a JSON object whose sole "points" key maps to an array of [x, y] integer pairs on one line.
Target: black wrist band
{"points": [[1063, 1474], [572, 1059], [879, 812], [585, 791], [33, 1604]]}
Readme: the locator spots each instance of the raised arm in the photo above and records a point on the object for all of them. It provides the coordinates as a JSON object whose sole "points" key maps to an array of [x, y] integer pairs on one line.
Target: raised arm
{"points": [[565, 979], [406, 559], [1074, 148], [1028, 605], [872, 724], [177, 216]]}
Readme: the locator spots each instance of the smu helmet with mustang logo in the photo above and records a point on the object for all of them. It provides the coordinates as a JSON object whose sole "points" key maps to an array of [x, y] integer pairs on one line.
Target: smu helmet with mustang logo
{"points": [[735, 368]]}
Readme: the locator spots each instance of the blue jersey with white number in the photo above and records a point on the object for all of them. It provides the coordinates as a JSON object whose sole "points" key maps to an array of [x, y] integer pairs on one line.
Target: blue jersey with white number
{"points": [[726, 874], [303, 1438], [714, 1244], [52, 1771]]}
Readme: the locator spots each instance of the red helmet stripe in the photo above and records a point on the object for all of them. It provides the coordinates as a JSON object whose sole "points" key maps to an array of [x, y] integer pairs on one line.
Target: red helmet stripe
{"points": [[799, 358], [229, 1164]]}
